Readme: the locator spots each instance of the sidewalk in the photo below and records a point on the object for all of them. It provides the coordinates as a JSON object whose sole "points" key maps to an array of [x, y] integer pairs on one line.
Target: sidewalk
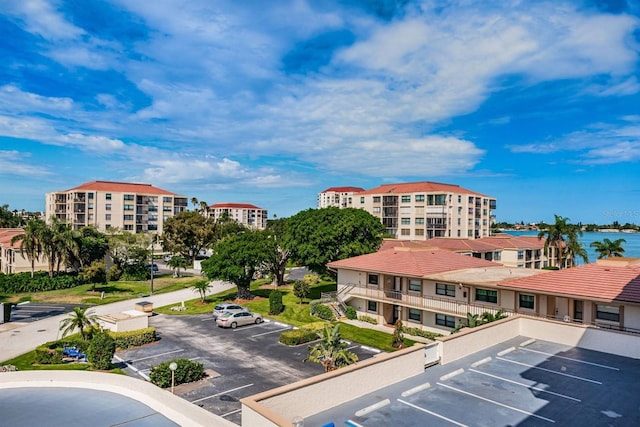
{"points": [[20, 338]]}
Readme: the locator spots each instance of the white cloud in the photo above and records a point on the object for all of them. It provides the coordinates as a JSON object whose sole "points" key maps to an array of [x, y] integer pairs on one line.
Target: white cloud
{"points": [[14, 163], [42, 18]]}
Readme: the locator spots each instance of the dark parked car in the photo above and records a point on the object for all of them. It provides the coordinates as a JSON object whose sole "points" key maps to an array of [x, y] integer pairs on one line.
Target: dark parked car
{"points": [[154, 267]]}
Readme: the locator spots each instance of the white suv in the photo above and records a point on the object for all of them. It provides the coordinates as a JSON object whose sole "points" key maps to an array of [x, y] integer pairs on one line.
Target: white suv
{"points": [[227, 307]]}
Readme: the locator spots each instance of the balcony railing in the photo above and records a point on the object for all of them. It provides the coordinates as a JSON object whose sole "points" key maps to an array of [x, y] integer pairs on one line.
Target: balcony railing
{"points": [[417, 300]]}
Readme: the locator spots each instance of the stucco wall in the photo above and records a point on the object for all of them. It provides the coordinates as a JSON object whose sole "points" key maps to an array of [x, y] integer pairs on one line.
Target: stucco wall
{"points": [[314, 395]]}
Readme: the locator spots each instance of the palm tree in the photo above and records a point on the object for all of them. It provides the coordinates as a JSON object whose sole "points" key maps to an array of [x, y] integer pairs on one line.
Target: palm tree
{"points": [[178, 262], [204, 207], [607, 248], [30, 245], [576, 249], [331, 352], [555, 238], [194, 201], [80, 319], [201, 287]]}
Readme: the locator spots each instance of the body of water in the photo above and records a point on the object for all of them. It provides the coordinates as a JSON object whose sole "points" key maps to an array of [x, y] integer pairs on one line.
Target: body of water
{"points": [[631, 246]]}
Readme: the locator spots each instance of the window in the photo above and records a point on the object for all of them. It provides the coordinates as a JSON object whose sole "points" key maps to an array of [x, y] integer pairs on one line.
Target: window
{"points": [[376, 199], [362, 199], [129, 197], [373, 279], [128, 227], [108, 226], [90, 217], [415, 314], [520, 254], [526, 301], [128, 207], [419, 220], [107, 217], [166, 199], [405, 221], [153, 227], [446, 290], [577, 310], [90, 206], [487, 295], [444, 320], [459, 198], [405, 232], [90, 196], [441, 199], [497, 255], [107, 196], [415, 285], [419, 231], [419, 197], [166, 208], [372, 306], [107, 207], [128, 217], [610, 313], [406, 199]]}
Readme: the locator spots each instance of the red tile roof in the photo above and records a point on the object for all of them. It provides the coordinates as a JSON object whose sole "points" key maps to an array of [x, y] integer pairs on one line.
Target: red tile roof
{"points": [[485, 244], [123, 187], [344, 190], [233, 206], [416, 263], [417, 187], [6, 234], [605, 280]]}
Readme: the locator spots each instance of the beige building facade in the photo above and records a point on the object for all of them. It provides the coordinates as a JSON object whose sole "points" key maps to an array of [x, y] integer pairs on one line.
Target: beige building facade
{"points": [[137, 208], [339, 197], [244, 213], [12, 259]]}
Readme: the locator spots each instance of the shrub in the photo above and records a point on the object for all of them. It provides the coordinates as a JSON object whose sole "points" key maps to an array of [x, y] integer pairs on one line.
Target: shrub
{"points": [[301, 288], [311, 279], [351, 313], [48, 356], [298, 336], [417, 332], [114, 274], [368, 319], [275, 302], [22, 282], [95, 273], [101, 350], [136, 338], [324, 312], [186, 372]]}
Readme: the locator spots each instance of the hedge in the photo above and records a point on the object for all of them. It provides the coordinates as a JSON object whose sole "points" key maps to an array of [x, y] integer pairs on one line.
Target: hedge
{"points": [[22, 282], [125, 340], [417, 332], [186, 372], [298, 336]]}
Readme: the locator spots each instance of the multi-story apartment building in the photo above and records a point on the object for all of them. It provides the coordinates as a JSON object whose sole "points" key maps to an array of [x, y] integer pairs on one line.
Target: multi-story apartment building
{"points": [[340, 197], [11, 258], [243, 213], [137, 208], [435, 289], [510, 251]]}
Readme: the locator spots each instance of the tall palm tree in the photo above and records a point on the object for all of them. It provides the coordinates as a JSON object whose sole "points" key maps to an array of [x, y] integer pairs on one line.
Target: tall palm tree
{"points": [[79, 319], [331, 352], [30, 245], [194, 201], [559, 235], [608, 248], [576, 249]]}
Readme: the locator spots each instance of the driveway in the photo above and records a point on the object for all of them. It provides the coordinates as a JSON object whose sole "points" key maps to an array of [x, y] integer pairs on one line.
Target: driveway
{"points": [[240, 362]]}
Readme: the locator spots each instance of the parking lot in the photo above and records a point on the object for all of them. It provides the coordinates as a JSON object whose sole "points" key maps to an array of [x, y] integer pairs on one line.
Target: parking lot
{"points": [[240, 362], [521, 382], [31, 312]]}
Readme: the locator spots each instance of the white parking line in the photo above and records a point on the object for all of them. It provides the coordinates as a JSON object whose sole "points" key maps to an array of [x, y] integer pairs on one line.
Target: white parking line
{"points": [[432, 413], [221, 393], [156, 355], [350, 423], [509, 350], [270, 332], [231, 413], [133, 368], [551, 371], [572, 359], [526, 385], [531, 414]]}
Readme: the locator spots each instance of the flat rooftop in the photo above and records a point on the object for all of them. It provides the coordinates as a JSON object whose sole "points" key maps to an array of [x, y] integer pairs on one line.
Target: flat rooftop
{"points": [[522, 381]]}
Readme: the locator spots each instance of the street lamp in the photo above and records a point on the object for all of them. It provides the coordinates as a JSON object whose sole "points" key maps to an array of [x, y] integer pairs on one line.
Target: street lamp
{"points": [[173, 366]]}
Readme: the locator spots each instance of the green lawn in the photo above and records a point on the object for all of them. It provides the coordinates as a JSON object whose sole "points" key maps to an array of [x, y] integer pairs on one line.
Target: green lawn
{"points": [[26, 362]]}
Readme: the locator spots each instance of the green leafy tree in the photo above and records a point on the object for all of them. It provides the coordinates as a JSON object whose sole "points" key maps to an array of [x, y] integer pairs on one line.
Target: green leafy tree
{"points": [[130, 253], [79, 319], [201, 287], [319, 236], [188, 233], [9, 219], [177, 262], [331, 352], [30, 244], [301, 289], [398, 336], [95, 274], [561, 235], [236, 259], [608, 248], [277, 251], [93, 246], [101, 349]]}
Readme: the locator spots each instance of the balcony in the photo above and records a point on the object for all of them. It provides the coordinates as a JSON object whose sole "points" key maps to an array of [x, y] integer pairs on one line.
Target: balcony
{"points": [[416, 300]]}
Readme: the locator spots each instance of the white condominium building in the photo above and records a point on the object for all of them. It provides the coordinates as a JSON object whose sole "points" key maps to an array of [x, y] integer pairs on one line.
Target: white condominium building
{"points": [[340, 197], [243, 213], [424, 210], [137, 208]]}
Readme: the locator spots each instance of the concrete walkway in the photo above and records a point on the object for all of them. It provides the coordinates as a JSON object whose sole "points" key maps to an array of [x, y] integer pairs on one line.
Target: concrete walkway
{"points": [[19, 338]]}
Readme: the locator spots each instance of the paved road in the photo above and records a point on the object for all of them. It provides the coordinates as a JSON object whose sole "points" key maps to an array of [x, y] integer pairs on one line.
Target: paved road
{"points": [[17, 338]]}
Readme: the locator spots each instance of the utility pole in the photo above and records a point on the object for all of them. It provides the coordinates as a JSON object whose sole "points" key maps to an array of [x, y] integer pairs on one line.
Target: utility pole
{"points": [[151, 266]]}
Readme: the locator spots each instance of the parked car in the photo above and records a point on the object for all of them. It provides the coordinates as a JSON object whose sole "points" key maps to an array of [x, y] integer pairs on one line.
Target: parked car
{"points": [[227, 307], [154, 267], [233, 320]]}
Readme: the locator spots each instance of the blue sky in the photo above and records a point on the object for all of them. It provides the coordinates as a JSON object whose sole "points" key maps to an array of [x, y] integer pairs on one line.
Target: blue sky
{"points": [[271, 102]]}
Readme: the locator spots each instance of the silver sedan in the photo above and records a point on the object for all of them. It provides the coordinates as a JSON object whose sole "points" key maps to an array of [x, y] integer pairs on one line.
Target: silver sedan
{"points": [[233, 320]]}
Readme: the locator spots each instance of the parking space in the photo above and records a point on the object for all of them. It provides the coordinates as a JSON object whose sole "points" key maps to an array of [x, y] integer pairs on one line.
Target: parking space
{"points": [[521, 382], [30, 312], [240, 362]]}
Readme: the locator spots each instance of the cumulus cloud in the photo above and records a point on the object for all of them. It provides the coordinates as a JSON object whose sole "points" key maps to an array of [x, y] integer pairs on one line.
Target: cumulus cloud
{"points": [[15, 163]]}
